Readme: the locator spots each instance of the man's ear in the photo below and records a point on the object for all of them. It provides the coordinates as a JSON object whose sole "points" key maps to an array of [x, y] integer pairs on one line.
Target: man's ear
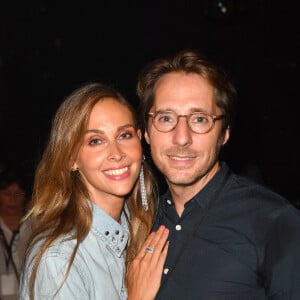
{"points": [[226, 136], [146, 136]]}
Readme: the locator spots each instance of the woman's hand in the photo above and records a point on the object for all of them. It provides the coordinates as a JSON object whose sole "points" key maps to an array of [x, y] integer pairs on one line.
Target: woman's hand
{"points": [[144, 274]]}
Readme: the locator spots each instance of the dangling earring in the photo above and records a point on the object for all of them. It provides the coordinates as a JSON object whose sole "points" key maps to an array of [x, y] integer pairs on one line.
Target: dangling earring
{"points": [[143, 188]]}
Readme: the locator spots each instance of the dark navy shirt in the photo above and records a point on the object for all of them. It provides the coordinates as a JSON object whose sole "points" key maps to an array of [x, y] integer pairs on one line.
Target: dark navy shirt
{"points": [[245, 246]]}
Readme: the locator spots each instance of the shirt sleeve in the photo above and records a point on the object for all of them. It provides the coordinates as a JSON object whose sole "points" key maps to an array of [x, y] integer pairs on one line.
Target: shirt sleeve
{"points": [[282, 262], [51, 281]]}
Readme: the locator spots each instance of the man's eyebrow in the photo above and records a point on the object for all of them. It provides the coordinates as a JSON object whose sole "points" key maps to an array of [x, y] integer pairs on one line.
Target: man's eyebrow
{"points": [[192, 109]]}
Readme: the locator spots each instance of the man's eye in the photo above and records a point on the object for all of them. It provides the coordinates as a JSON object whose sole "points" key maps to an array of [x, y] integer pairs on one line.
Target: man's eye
{"points": [[165, 119], [199, 119]]}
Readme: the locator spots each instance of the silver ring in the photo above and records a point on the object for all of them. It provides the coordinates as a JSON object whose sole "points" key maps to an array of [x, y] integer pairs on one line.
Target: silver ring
{"points": [[149, 250]]}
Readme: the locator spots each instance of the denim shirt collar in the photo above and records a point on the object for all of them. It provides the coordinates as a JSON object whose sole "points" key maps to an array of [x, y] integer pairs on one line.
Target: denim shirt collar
{"points": [[113, 234]]}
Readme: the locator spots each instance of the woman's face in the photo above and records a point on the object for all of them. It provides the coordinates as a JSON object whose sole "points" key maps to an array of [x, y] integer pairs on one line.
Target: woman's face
{"points": [[109, 159], [12, 200]]}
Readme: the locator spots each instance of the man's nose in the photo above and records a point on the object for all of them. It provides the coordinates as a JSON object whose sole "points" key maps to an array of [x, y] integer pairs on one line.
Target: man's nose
{"points": [[182, 132]]}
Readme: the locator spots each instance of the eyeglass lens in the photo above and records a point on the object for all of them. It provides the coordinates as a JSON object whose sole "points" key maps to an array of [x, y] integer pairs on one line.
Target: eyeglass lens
{"points": [[198, 122]]}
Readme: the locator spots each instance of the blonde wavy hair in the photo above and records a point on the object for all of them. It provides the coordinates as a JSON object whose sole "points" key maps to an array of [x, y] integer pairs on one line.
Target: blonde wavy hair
{"points": [[59, 204]]}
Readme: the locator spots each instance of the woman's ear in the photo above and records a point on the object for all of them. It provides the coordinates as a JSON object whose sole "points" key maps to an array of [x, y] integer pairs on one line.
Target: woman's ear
{"points": [[139, 133], [74, 167]]}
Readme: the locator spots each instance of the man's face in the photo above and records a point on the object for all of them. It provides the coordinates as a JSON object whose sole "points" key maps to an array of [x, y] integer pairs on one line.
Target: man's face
{"points": [[183, 156], [12, 200]]}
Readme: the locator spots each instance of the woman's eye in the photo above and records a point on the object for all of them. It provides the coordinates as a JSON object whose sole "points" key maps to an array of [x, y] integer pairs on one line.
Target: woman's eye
{"points": [[125, 135], [95, 141]]}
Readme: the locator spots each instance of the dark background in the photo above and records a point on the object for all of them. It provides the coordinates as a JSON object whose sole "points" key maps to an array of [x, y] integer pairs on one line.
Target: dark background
{"points": [[47, 50]]}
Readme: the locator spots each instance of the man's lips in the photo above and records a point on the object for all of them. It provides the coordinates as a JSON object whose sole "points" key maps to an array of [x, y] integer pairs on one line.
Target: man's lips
{"points": [[180, 158]]}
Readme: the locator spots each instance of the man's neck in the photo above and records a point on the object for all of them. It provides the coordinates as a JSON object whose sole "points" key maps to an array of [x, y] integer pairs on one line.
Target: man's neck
{"points": [[12, 222], [183, 193]]}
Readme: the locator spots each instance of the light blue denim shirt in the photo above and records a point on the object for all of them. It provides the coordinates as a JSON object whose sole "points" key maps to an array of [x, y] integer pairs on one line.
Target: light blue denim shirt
{"points": [[97, 271]]}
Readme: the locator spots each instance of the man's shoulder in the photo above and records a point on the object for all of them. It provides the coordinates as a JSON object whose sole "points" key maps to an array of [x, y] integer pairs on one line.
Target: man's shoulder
{"points": [[259, 198]]}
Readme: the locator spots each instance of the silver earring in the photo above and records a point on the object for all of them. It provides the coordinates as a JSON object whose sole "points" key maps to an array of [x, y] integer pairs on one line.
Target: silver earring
{"points": [[143, 189]]}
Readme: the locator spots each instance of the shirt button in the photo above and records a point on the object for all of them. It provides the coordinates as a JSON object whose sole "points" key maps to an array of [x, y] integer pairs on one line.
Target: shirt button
{"points": [[169, 201], [166, 271], [178, 227]]}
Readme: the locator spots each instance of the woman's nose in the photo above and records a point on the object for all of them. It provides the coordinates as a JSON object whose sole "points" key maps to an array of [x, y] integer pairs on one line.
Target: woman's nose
{"points": [[115, 152]]}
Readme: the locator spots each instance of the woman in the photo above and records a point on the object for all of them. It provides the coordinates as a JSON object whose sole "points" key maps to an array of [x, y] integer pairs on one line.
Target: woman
{"points": [[89, 202], [13, 232]]}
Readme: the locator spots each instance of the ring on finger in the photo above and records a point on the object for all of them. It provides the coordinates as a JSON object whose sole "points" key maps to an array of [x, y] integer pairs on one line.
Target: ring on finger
{"points": [[149, 250]]}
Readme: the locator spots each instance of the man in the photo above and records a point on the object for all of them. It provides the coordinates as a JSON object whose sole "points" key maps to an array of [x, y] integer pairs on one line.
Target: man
{"points": [[230, 238]]}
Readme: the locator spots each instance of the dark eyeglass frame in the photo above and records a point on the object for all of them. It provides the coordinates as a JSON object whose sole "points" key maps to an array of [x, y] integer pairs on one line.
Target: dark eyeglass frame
{"points": [[213, 118]]}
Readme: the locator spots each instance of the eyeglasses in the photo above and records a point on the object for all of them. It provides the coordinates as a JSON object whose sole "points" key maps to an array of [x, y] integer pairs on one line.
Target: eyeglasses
{"points": [[198, 122]]}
